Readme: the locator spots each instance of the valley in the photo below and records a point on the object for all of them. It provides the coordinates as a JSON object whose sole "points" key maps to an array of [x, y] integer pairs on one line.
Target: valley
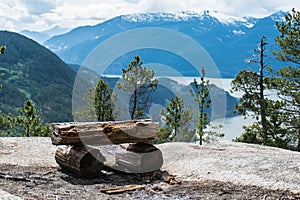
{"points": [[216, 34]]}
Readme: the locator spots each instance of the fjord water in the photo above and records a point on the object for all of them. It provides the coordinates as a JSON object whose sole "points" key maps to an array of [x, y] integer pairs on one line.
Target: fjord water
{"points": [[232, 126]]}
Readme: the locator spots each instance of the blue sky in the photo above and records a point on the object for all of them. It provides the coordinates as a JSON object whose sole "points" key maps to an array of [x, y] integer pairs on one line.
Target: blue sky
{"points": [[39, 15]]}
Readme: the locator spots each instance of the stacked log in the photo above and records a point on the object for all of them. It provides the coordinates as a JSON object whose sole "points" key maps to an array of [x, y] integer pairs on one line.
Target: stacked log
{"points": [[139, 158], [102, 133], [83, 160]]}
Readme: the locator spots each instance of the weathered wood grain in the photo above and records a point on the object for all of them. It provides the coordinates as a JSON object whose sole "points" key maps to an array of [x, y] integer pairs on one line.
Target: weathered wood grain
{"points": [[102, 133], [81, 160], [139, 158]]}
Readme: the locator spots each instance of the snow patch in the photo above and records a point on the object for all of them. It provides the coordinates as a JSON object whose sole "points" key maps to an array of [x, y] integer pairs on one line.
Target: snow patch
{"points": [[230, 19], [225, 18], [150, 17], [188, 15], [61, 48], [238, 32], [57, 48]]}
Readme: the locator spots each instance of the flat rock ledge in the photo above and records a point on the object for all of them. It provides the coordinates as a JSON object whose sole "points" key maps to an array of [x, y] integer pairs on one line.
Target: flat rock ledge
{"points": [[239, 163]]}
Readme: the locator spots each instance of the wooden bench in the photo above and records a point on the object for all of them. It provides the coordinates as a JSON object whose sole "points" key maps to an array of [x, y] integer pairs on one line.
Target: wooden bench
{"points": [[84, 159]]}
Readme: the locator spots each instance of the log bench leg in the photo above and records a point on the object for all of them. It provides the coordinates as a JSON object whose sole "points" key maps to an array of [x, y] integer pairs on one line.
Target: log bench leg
{"points": [[83, 161], [139, 158]]}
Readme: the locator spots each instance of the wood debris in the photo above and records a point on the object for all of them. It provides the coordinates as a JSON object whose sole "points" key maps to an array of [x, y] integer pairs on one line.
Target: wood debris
{"points": [[121, 189], [14, 178]]}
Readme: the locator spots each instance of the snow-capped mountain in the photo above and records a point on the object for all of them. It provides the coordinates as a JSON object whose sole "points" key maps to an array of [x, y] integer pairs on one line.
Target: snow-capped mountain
{"points": [[189, 15], [229, 40]]}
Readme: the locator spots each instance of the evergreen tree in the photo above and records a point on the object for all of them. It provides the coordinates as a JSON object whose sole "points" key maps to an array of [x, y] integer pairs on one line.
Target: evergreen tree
{"points": [[138, 82], [30, 120], [186, 131], [177, 122], [163, 135], [98, 105], [103, 105], [172, 116], [288, 40], [279, 134], [253, 85], [201, 96], [251, 134], [270, 129], [288, 80], [7, 124]]}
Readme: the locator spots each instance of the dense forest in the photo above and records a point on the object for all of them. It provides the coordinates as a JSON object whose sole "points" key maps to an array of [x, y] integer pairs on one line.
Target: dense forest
{"points": [[30, 71]]}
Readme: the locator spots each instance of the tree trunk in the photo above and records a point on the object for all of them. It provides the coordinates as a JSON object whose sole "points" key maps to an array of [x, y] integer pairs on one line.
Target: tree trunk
{"points": [[102, 133], [298, 147], [134, 103], [81, 160], [262, 101], [139, 158]]}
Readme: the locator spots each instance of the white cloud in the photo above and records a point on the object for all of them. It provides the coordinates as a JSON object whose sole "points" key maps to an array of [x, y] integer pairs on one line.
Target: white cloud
{"points": [[17, 15], [37, 7]]}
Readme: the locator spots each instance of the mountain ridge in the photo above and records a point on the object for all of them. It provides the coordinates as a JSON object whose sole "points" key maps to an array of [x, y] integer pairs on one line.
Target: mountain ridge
{"points": [[186, 15], [43, 36], [229, 42]]}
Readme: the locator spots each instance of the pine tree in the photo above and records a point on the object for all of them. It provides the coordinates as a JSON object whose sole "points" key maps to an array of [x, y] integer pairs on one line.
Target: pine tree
{"points": [[7, 124], [279, 134], [177, 122], [201, 96], [98, 105], [172, 116], [103, 98], [186, 131], [163, 135], [253, 85], [288, 81], [270, 128], [138, 82], [288, 40], [29, 120]]}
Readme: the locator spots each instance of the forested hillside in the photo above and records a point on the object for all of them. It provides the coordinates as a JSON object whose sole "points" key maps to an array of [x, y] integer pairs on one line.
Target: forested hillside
{"points": [[30, 71]]}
